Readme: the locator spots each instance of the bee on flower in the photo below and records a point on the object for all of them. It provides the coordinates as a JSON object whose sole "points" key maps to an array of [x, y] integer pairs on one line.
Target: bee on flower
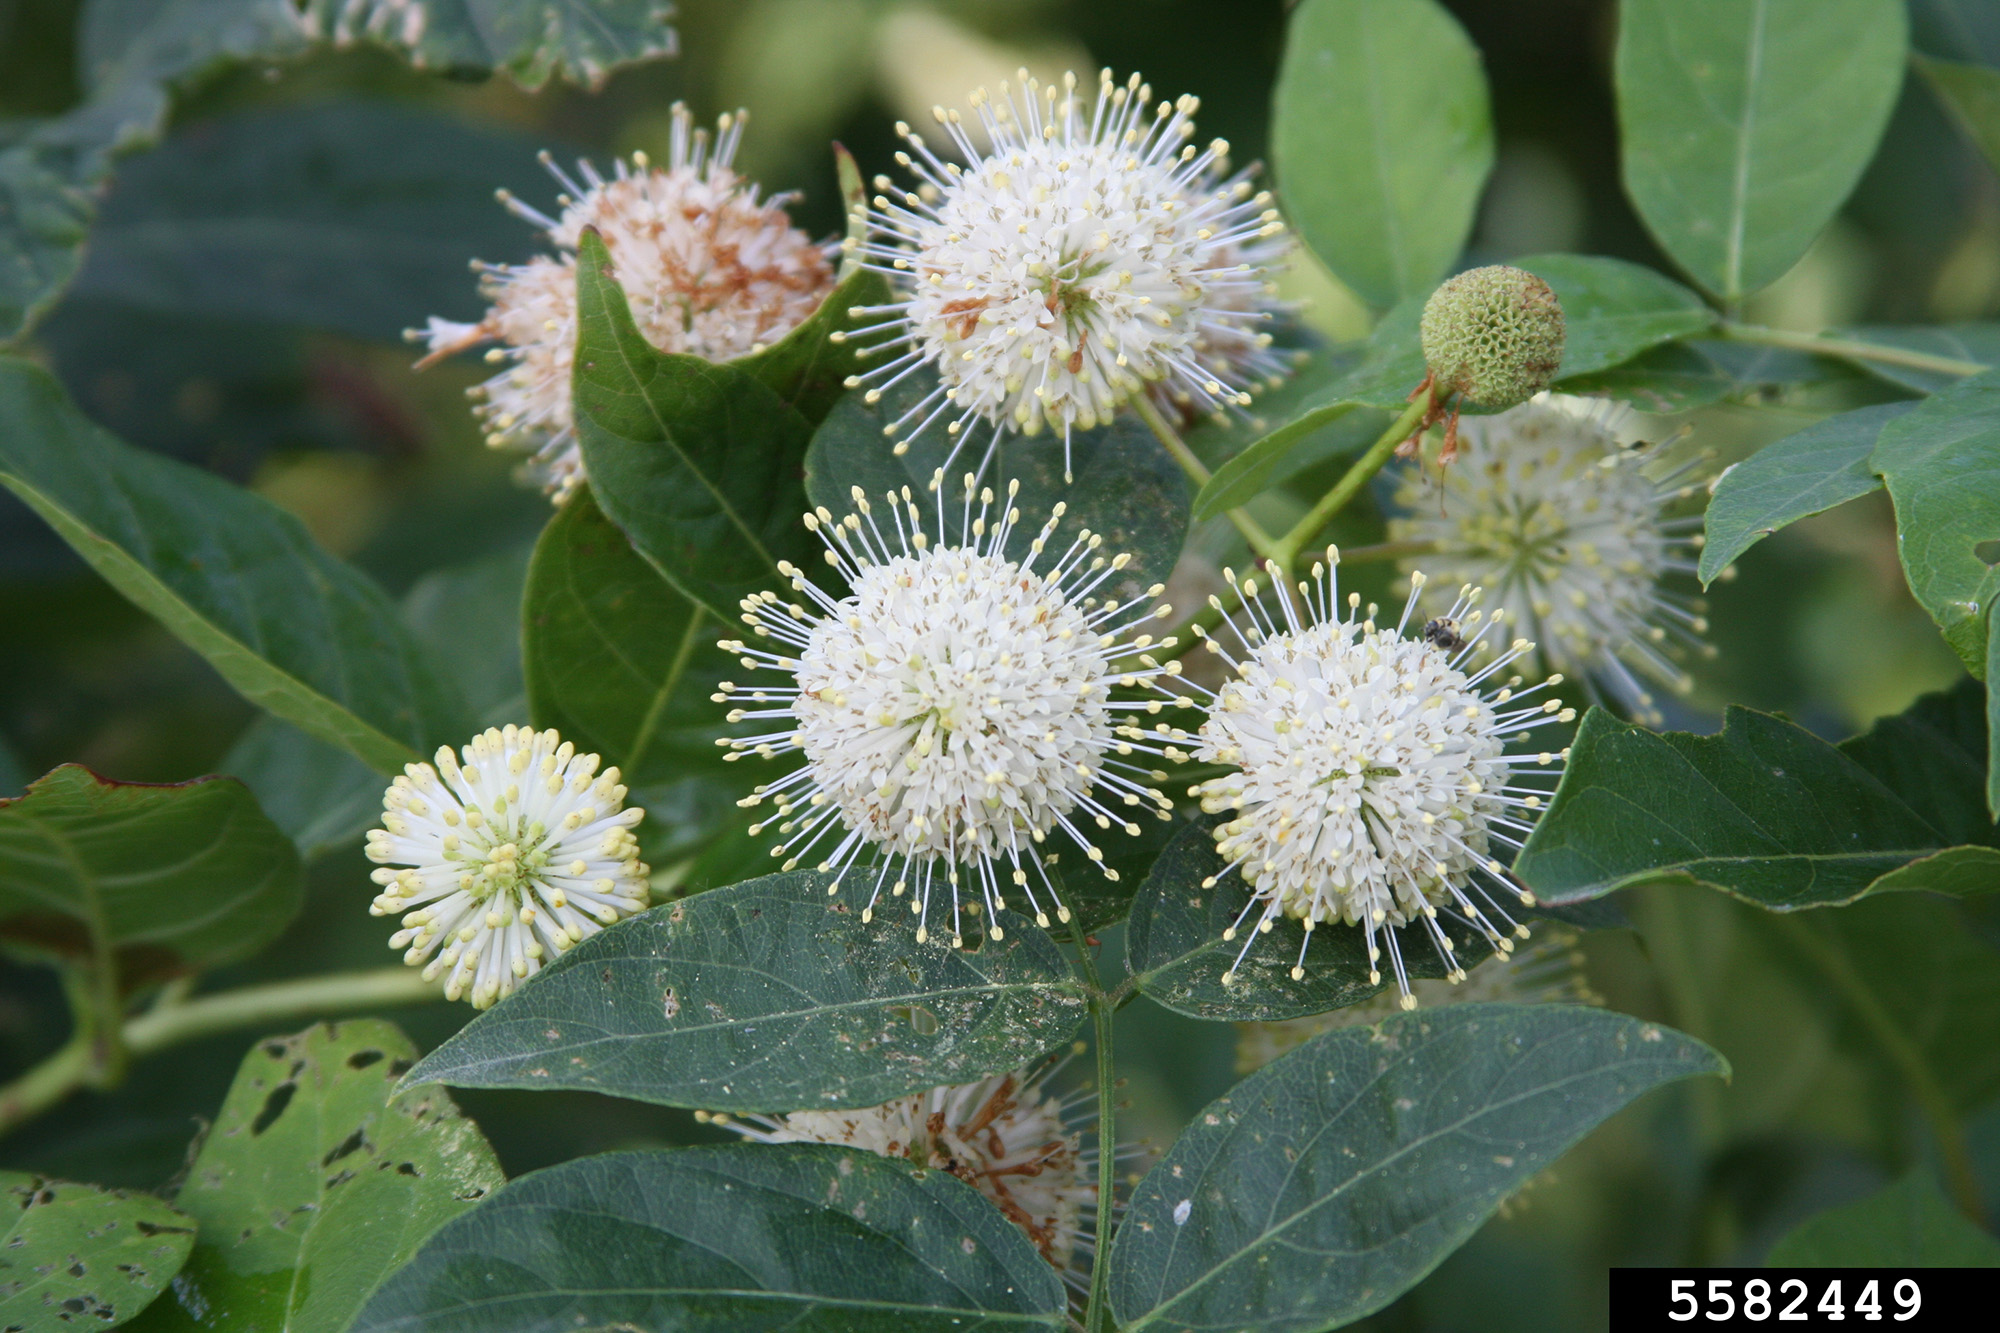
{"points": [[1557, 518], [511, 851], [1369, 779], [957, 707], [710, 269], [1090, 254]]}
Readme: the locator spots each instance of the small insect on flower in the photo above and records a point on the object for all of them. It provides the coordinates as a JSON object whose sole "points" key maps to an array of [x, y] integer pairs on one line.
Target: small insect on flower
{"points": [[956, 706], [1370, 771], [709, 268], [513, 851], [1091, 254], [1009, 1137], [1558, 520]]}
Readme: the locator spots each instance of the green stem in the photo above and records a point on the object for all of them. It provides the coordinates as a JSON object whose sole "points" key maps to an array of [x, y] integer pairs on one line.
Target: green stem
{"points": [[1253, 531], [1344, 490], [1352, 555], [76, 1065], [1850, 349], [1960, 1177], [1096, 1315]]}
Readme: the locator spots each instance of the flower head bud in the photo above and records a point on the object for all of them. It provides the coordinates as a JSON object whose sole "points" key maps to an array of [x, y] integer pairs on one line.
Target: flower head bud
{"points": [[1494, 334]]}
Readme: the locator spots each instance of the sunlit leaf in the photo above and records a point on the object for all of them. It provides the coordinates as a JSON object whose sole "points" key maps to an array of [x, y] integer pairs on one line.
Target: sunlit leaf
{"points": [[1906, 1225], [1824, 465], [1331, 1181], [77, 1256], [240, 581], [771, 996], [745, 1236], [1174, 945], [699, 463], [1383, 139], [317, 1181], [1745, 123], [161, 880]]}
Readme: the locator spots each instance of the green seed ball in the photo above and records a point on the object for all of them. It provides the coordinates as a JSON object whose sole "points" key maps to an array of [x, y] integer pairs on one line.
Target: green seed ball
{"points": [[1494, 334]]}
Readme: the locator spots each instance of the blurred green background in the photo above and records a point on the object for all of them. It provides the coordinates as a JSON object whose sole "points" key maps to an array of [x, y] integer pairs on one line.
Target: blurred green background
{"points": [[240, 308]]}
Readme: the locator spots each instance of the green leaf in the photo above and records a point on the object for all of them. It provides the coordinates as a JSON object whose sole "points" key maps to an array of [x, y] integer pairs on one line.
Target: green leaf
{"points": [[1824, 465], [1331, 1181], [1765, 811], [1745, 123], [1906, 1225], [1175, 950], [1972, 94], [470, 615], [321, 797], [298, 632], [45, 211], [317, 1181], [1383, 140], [1613, 310], [160, 41], [158, 881], [1941, 462], [345, 215], [742, 1236], [809, 366], [617, 660], [76, 1256], [770, 996], [1127, 487], [1250, 473], [1979, 343], [699, 463], [1681, 376]]}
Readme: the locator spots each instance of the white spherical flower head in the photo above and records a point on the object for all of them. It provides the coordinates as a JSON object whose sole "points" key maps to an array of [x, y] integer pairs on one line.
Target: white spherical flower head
{"points": [[1007, 1136], [1371, 777], [709, 269], [1089, 254], [956, 707], [1555, 516], [511, 851]]}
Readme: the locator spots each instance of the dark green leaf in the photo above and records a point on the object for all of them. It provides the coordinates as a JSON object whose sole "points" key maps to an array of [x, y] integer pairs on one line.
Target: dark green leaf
{"points": [[1972, 94], [1824, 465], [1978, 343], [470, 616], [1907, 1225], [1765, 811], [321, 797], [699, 463], [808, 368], [1332, 1180], [353, 216], [1174, 946], [169, 41], [317, 1181], [796, 1236], [1941, 463], [298, 632], [1612, 310], [770, 996], [1681, 376], [77, 1256], [45, 210], [163, 880], [1745, 123], [1933, 756], [617, 660], [1382, 137], [1127, 486]]}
